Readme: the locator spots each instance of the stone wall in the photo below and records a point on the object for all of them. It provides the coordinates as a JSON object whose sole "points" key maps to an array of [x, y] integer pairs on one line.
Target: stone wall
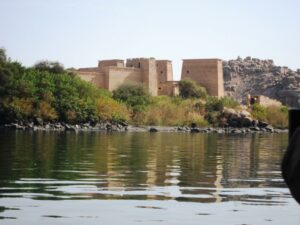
{"points": [[205, 72], [169, 88], [155, 75], [112, 62], [262, 100], [164, 70], [119, 76]]}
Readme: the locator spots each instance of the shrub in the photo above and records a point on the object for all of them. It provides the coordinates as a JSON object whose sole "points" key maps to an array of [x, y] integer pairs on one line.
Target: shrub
{"points": [[214, 118], [111, 110], [277, 116], [171, 111], [229, 102], [3, 57], [259, 112], [46, 111], [189, 89], [196, 118], [135, 96], [214, 104], [21, 108], [218, 104], [51, 67]]}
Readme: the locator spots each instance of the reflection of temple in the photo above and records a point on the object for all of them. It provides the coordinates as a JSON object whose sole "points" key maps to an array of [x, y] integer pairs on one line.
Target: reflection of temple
{"points": [[183, 166]]}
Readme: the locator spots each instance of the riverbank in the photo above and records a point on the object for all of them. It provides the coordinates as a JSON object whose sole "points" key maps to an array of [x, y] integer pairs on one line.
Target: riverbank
{"points": [[124, 127]]}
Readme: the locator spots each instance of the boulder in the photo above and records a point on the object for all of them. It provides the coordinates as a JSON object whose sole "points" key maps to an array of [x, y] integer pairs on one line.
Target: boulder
{"points": [[38, 121], [245, 113], [255, 128], [246, 121], [153, 129], [193, 125], [269, 128], [228, 112], [124, 124], [262, 124], [195, 130]]}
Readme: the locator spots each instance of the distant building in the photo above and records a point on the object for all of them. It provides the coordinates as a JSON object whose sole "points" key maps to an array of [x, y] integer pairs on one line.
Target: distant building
{"points": [[155, 75], [205, 72]]}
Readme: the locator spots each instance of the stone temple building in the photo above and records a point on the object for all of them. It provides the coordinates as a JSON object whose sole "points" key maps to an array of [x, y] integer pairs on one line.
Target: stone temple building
{"points": [[155, 75], [205, 72]]}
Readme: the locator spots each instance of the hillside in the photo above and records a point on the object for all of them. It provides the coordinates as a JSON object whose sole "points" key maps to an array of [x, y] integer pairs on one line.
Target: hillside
{"points": [[261, 77]]}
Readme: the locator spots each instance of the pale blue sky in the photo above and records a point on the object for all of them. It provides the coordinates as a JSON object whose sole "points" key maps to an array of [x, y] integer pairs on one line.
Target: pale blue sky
{"points": [[78, 33]]}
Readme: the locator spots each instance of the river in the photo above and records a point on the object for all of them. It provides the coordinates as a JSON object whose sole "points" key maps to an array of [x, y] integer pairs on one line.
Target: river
{"points": [[143, 178]]}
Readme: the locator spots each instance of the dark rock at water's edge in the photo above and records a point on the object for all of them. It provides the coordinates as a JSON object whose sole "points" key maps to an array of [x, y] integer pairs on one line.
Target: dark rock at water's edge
{"points": [[153, 129], [124, 127], [39, 124]]}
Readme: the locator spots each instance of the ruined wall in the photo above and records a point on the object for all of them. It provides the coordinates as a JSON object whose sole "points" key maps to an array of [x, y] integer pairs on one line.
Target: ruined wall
{"points": [[265, 101], [205, 72], [262, 100]]}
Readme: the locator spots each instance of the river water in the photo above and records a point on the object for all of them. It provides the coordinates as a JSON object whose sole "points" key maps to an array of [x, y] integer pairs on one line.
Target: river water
{"points": [[143, 178]]}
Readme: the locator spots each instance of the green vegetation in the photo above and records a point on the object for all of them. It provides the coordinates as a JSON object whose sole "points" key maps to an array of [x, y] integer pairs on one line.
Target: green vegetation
{"points": [[189, 89], [50, 92], [172, 111], [53, 94], [134, 96], [277, 116]]}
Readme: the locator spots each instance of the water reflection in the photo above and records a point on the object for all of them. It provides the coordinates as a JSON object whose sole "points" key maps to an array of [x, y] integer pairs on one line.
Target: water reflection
{"points": [[184, 167]]}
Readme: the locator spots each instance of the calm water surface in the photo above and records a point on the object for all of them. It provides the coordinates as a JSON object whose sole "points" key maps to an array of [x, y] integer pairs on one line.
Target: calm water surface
{"points": [[143, 178]]}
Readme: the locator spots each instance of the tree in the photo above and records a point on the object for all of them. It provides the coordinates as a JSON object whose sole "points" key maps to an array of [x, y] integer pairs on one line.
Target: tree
{"points": [[3, 57], [51, 67], [135, 96], [6, 78], [189, 89]]}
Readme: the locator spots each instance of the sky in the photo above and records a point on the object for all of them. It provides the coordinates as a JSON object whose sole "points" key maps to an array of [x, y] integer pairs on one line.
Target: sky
{"points": [[78, 33]]}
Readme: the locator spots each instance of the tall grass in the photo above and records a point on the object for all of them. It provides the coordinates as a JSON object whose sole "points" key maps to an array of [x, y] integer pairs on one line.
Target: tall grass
{"points": [[172, 111]]}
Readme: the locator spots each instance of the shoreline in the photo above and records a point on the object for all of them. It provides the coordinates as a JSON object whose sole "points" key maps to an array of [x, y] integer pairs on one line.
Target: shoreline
{"points": [[124, 127]]}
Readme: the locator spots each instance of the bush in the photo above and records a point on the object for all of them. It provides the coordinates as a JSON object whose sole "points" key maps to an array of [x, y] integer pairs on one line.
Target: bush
{"points": [[277, 116], [229, 102], [46, 111], [51, 67], [214, 118], [214, 104], [196, 118], [111, 110], [135, 96], [218, 104], [19, 108], [189, 89], [259, 112], [3, 57], [172, 111]]}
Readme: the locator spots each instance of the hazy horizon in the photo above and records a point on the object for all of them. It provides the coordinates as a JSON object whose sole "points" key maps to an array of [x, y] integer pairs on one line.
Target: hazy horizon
{"points": [[79, 33]]}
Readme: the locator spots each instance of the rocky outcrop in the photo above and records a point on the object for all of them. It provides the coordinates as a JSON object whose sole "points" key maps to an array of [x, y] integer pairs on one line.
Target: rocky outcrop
{"points": [[261, 77]]}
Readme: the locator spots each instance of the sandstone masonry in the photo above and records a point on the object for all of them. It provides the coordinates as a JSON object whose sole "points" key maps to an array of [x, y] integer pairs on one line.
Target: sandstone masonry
{"points": [[155, 75]]}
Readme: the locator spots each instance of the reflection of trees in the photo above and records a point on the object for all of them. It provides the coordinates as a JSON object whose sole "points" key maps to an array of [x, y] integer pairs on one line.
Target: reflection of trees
{"points": [[182, 164]]}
